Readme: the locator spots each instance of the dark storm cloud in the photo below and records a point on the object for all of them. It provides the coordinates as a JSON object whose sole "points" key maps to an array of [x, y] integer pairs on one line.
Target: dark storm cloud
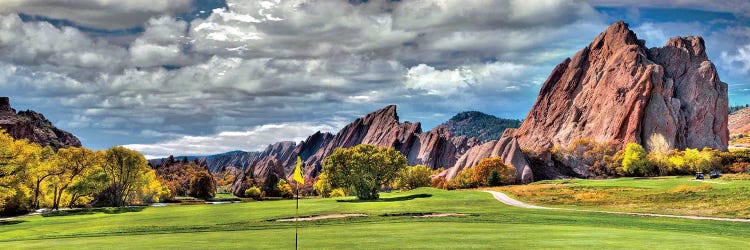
{"points": [[282, 68]]}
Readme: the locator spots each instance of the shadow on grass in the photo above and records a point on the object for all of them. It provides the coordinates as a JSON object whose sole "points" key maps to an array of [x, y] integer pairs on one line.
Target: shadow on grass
{"points": [[392, 199], [107, 210], [11, 222]]}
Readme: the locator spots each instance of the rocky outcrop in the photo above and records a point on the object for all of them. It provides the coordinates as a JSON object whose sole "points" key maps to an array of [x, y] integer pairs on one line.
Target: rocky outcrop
{"points": [[34, 127], [506, 147], [264, 165], [617, 90], [237, 159], [435, 148], [739, 122]]}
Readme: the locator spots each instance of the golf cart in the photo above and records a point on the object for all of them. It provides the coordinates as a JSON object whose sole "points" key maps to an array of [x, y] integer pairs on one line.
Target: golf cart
{"points": [[699, 176], [714, 174]]}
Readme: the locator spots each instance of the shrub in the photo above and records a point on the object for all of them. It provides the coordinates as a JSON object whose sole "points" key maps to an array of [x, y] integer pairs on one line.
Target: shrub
{"points": [[698, 161], [439, 182], [413, 177], [463, 180], [285, 190], [253, 192], [729, 158], [739, 167], [338, 192], [323, 186], [202, 185], [601, 158], [635, 161]]}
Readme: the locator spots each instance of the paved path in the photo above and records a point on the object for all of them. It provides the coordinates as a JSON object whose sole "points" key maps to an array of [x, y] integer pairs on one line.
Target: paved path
{"points": [[516, 203]]}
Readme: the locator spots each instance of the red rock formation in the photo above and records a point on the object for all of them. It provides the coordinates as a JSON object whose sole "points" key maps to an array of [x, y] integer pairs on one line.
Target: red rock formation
{"points": [[739, 122], [435, 148], [506, 147], [617, 90], [34, 127], [261, 165]]}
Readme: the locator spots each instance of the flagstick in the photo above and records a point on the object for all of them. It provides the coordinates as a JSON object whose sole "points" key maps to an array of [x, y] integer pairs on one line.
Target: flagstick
{"points": [[296, 218]]}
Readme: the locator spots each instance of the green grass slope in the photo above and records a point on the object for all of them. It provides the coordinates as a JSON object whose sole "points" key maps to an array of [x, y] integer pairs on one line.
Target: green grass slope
{"points": [[490, 224]]}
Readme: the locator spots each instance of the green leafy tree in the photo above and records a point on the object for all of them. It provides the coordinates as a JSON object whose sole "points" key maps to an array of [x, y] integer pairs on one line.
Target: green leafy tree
{"points": [[363, 168], [494, 179], [413, 177], [87, 187]]}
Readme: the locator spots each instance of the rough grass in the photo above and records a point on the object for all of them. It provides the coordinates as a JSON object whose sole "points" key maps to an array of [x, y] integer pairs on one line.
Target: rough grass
{"points": [[389, 225], [724, 197]]}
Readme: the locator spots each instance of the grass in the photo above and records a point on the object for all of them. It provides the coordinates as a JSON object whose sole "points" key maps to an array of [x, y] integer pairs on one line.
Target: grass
{"points": [[490, 224], [724, 197]]}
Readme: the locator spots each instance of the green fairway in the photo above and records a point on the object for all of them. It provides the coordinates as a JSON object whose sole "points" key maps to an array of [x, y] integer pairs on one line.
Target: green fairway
{"points": [[490, 224], [728, 196]]}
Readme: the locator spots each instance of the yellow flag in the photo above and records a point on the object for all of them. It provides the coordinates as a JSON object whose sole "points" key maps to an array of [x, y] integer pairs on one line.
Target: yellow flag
{"points": [[298, 172]]}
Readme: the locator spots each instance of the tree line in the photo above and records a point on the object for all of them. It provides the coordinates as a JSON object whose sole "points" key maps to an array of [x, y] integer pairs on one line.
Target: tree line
{"points": [[33, 177]]}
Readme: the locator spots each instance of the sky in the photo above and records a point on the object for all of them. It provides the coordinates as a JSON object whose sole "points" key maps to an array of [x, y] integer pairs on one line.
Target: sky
{"points": [[199, 77]]}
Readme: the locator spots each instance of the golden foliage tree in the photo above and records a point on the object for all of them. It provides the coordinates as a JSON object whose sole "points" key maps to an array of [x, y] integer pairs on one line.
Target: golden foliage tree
{"points": [[123, 168], [482, 171]]}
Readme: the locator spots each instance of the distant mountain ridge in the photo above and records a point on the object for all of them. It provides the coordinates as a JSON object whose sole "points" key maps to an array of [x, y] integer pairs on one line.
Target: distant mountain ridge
{"points": [[476, 124], [34, 127], [216, 162]]}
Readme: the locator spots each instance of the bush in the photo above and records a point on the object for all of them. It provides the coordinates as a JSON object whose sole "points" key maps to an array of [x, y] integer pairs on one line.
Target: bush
{"points": [[323, 186], [739, 167], [635, 161], [481, 172], [439, 182], [202, 185], [285, 190], [338, 192], [699, 161], [254, 192], [601, 158], [463, 180], [413, 177]]}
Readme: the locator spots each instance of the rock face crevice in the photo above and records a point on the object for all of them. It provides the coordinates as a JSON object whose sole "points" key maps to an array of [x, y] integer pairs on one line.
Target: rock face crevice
{"points": [[617, 90], [34, 127]]}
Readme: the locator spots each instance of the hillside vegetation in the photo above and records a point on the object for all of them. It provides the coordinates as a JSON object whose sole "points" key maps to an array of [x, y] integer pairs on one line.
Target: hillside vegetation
{"points": [[480, 125]]}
